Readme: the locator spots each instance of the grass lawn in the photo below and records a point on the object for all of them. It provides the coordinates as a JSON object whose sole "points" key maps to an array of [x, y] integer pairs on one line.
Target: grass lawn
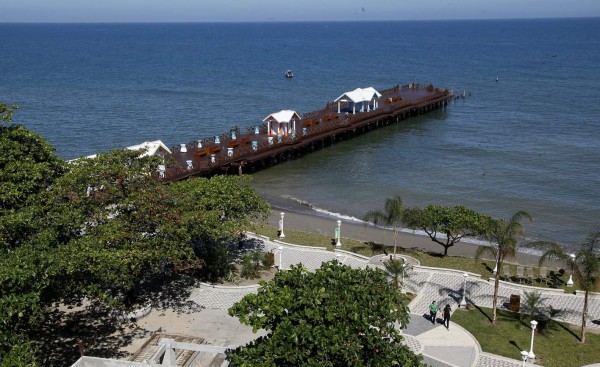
{"points": [[482, 267], [557, 346]]}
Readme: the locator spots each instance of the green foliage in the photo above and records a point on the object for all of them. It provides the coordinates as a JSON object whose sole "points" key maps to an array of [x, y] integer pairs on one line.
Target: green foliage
{"points": [[27, 168], [396, 269], [533, 306], [268, 260], [504, 238], [232, 277], [250, 270], [558, 347], [255, 261], [20, 351], [6, 112], [443, 221], [392, 215], [216, 259], [109, 225], [585, 265], [336, 316], [98, 228]]}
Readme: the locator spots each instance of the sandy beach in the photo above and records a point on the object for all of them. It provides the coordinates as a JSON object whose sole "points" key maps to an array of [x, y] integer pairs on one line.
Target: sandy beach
{"points": [[366, 232]]}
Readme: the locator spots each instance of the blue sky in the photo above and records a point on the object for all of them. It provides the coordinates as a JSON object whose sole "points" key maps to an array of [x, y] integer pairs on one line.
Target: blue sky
{"points": [[282, 10]]}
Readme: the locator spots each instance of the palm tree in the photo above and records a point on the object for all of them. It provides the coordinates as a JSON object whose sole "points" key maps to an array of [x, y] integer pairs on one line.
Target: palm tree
{"points": [[391, 216], [396, 269], [585, 265], [503, 236]]}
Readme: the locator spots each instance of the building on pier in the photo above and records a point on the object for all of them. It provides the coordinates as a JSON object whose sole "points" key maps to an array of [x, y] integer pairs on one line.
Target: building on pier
{"points": [[152, 148], [363, 98], [282, 123]]}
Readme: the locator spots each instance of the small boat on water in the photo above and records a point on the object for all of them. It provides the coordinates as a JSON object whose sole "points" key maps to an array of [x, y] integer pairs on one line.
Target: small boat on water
{"points": [[289, 74]]}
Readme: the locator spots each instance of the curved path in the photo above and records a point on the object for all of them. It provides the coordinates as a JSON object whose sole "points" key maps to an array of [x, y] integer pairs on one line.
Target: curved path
{"points": [[453, 347]]}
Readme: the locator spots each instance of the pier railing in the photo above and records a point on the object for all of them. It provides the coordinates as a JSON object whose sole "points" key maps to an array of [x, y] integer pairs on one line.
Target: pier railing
{"points": [[247, 144]]}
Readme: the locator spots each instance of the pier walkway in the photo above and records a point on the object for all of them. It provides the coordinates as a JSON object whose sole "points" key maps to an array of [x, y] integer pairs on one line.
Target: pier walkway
{"points": [[257, 147]]}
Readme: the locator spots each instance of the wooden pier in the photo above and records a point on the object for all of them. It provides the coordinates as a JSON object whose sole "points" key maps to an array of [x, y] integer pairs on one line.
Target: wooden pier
{"points": [[254, 148]]}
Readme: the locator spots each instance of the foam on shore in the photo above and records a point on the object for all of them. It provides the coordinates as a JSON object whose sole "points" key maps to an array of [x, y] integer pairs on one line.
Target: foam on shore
{"points": [[301, 207]]}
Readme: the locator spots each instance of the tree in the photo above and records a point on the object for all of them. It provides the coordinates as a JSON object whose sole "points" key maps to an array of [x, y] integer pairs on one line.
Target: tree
{"points": [[586, 267], [453, 223], [396, 269], [28, 166], [503, 236], [105, 226], [391, 216], [336, 316], [118, 226]]}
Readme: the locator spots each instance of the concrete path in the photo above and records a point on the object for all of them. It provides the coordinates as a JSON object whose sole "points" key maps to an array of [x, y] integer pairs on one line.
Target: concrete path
{"points": [[440, 347]]}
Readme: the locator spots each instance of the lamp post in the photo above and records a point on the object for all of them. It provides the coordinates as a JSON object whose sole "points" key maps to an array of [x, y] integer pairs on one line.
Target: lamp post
{"points": [[570, 281], [280, 248], [339, 233], [463, 301], [524, 356], [281, 234], [533, 325]]}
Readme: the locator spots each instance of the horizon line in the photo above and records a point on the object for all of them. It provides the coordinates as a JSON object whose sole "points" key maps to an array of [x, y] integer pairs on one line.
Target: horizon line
{"points": [[298, 21]]}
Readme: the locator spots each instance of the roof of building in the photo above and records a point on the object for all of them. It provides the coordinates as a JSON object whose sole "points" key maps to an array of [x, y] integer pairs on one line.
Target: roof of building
{"points": [[360, 95], [151, 147], [283, 116]]}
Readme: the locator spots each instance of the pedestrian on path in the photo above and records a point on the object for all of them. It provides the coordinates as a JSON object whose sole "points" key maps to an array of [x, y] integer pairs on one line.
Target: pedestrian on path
{"points": [[432, 311], [446, 314]]}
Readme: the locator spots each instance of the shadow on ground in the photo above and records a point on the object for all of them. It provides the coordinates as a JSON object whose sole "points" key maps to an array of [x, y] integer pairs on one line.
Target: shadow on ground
{"points": [[91, 329]]}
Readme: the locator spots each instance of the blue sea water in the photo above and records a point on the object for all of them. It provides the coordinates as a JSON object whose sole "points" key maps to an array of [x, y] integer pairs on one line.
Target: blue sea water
{"points": [[529, 141]]}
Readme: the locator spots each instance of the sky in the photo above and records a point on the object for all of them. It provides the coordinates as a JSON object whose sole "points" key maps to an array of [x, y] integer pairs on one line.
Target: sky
{"points": [[84, 11]]}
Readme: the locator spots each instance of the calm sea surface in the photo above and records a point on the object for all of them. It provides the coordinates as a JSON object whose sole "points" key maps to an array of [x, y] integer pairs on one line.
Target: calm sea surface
{"points": [[530, 141]]}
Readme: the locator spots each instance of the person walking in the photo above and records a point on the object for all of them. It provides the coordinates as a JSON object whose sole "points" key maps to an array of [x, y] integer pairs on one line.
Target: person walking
{"points": [[432, 311], [446, 314]]}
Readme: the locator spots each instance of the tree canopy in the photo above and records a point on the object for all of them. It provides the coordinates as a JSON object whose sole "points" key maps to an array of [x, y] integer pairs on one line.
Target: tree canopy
{"points": [[6, 112], [98, 228], [27, 167], [440, 221], [335, 316]]}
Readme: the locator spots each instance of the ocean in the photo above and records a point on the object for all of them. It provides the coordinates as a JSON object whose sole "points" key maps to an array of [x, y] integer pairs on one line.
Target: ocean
{"points": [[525, 137]]}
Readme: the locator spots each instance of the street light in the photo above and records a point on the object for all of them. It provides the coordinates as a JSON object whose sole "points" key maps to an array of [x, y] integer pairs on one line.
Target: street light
{"points": [[463, 301], [281, 234], [533, 325], [280, 248], [570, 281], [524, 356], [339, 233]]}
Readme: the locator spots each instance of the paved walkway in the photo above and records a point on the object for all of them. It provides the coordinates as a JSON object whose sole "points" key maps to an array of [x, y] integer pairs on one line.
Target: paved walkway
{"points": [[441, 347]]}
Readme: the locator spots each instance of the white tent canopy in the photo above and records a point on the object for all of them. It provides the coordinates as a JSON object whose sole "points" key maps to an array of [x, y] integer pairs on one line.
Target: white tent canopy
{"points": [[361, 97], [281, 120]]}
